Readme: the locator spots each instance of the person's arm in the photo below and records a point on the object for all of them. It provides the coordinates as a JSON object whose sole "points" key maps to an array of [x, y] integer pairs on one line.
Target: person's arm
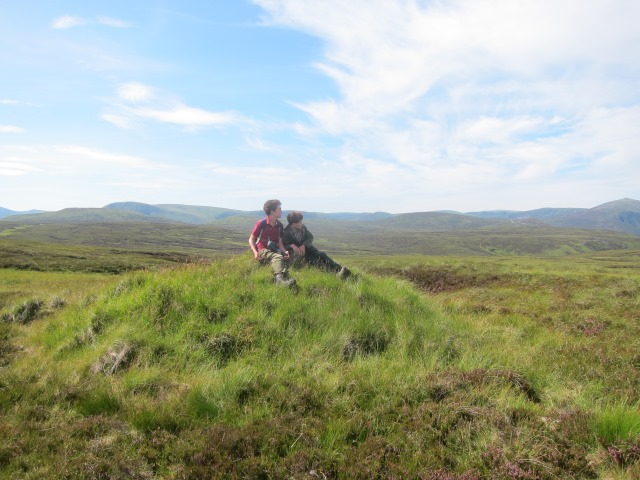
{"points": [[287, 239], [285, 252], [252, 244], [308, 237], [281, 234]]}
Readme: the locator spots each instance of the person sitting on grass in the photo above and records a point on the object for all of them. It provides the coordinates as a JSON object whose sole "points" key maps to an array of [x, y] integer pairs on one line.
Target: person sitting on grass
{"points": [[299, 243], [266, 242]]}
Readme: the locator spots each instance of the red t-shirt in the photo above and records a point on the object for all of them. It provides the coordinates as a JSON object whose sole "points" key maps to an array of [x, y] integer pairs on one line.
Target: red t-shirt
{"points": [[270, 232]]}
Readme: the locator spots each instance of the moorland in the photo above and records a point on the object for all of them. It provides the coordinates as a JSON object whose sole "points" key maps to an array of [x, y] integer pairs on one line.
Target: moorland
{"points": [[160, 349]]}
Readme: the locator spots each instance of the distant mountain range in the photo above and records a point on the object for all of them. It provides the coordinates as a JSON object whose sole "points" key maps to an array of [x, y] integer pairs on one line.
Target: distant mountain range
{"points": [[5, 212], [620, 216]]}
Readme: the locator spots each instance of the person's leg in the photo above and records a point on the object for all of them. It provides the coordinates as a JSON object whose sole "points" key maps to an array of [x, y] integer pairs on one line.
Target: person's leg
{"points": [[321, 259], [295, 260], [277, 265], [275, 259]]}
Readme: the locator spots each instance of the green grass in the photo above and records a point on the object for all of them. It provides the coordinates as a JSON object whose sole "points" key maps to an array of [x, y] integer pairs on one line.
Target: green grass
{"points": [[45, 246], [416, 367]]}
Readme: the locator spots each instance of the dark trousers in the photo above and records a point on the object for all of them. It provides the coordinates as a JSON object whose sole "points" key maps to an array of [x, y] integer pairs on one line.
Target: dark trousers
{"points": [[320, 259]]}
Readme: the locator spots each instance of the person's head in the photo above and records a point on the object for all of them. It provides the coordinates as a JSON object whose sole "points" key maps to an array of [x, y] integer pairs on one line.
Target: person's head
{"points": [[271, 206], [294, 217]]}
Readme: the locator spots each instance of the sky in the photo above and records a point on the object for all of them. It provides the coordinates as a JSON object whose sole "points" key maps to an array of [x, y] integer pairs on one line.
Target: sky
{"points": [[330, 106]]}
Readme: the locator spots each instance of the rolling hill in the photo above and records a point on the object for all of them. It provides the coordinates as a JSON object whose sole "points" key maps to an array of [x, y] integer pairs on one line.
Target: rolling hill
{"points": [[180, 213], [619, 216], [83, 215], [5, 212]]}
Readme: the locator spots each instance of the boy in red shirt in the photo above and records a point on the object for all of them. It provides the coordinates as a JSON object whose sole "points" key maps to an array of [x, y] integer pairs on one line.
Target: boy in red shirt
{"points": [[266, 242]]}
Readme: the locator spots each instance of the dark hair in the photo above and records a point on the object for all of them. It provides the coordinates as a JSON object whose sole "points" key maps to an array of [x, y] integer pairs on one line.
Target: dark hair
{"points": [[271, 206], [294, 217]]}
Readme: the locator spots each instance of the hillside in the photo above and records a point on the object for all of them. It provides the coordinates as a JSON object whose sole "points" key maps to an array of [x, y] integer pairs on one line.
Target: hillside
{"points": [[621, 216], [211, 371], [538, 214], [5, 212], [83, 245], [82, 215], [437, 222], [181, 213]]}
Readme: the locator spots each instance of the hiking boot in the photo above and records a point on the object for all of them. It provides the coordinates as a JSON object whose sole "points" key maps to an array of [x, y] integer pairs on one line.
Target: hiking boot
{"points": [[280, 280], [344, 273]]}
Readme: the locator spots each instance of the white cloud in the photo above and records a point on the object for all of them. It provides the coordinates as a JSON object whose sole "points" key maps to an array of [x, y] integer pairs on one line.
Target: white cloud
{"points": [[250, 172], [188, 116], [113, 22], [259, 145], [159, 184], [118, 120], [11, 129], [135, 92], [6, 101], [475, 94], [397, 52], [67, 21], [55, 159], [14, 167], [139, 101], [103, 157]]}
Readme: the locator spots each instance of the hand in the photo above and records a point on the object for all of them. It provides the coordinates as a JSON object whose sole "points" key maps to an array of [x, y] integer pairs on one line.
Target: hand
{"points": [[286, 254], [302, 250], [295, 249], [255, 255]]}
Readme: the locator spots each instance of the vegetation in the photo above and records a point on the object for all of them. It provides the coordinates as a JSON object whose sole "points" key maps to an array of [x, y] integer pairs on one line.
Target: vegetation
{"points": [[620, 215], [415, 367], [73, 246]]}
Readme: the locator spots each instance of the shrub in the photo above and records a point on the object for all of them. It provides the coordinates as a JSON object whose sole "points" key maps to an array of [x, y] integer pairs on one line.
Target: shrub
{"points": [[366, 343], [118, 357], [27, 312], [616, 423]]}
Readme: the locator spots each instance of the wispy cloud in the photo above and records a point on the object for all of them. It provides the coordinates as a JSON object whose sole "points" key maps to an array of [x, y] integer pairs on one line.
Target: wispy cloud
{"points": [[112, 22], [250, 172], [69, 159], [7, 101], [117, 120], [259, 145], [158, 183], [137, 101], [135, 92], [11, 129], [186, 116], [474, 92], [66, 22], [95, 155], [14, 167]]}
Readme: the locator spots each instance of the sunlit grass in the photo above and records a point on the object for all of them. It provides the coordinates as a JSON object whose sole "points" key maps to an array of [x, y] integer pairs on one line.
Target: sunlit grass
{"points": [[516, 365]]}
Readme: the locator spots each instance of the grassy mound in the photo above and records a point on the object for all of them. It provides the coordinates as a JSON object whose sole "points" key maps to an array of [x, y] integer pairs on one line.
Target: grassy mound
{"points": [[212, 371]]}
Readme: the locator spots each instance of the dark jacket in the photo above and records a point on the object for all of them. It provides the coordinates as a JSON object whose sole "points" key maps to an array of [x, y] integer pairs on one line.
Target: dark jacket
{"points": [[289, 238]]}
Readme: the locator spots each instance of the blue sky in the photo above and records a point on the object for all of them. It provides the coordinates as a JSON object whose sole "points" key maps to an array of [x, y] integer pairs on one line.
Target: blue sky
{"points": [[376, 105]]}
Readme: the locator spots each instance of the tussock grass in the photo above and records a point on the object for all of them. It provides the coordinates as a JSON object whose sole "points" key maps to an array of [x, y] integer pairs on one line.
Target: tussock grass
{"points": [[416, 368]]}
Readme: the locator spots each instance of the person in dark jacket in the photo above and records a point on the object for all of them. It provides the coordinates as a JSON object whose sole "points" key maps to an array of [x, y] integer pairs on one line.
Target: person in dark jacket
{"points": [[298, 241]]}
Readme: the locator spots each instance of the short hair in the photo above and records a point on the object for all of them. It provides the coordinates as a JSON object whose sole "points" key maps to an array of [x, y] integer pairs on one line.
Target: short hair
{"points": [[271, 206], [294, 217]]}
